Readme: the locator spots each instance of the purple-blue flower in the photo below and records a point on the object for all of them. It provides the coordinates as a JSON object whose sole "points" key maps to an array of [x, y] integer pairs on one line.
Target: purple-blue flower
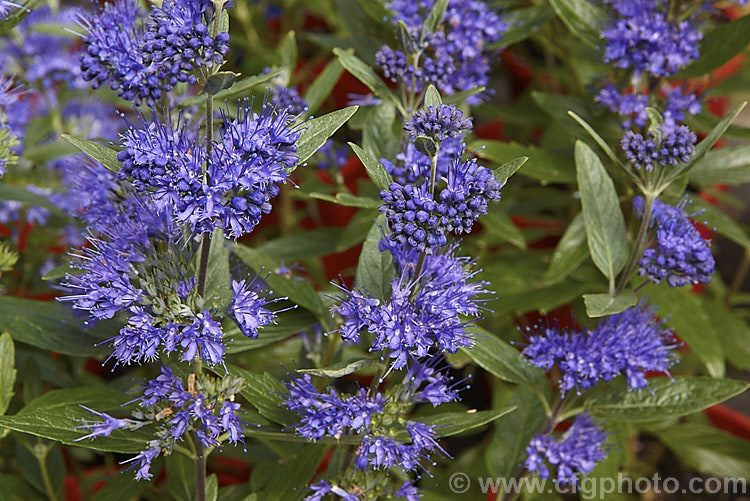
{"points": [[679, 253], [321, 489], [674, 145], [645, 41], [248, 308], [630, 343], [575, 453], [232, 188], [458, 53], [106, 427], [438, 123], [177, 41], [422, 313], [422, 220], [47, 59], [328, 414]]}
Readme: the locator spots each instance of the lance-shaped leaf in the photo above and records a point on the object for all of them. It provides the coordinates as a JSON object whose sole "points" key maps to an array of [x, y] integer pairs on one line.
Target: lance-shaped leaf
{"points": [[605, 224], [318, 130]]}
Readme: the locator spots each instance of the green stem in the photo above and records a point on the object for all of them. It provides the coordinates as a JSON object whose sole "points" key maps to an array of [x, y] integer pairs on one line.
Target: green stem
{"points": [[640, 241], [200, 472], [739, 277], [45, 477]]}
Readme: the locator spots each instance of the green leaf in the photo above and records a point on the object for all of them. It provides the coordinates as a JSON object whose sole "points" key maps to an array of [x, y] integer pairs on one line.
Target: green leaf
{"points": [[7, 371], [664, 398], [601, 305], [322, 86], [297, 470], [708, 450], [15, 489], [435, 17], [21, 194], [367, 76], [60, 272], [524, 23], [432, 96], [502, 360], [180, 477], [347, 200], [719, 46], [379, 138], [460, 96], [374, 169], [218, 290], [122, 487], [241, 88], [264, 392], [596, 137], [302, 245], [505, 171], [724, 165], [288, 323], [212, 487], [542, 165], [570, 253], [733, 333], [48, 326], [375, 270], [47, 151], [219, 81], [17, 15], [288, 55], [499, 224], [686, 314], [583, 19], [605, 224], [318, 130], [707, 143], [448, 424], [57, 414], [509, 440], [300, 292], [716, 218], [106, 156], [343, 368]]}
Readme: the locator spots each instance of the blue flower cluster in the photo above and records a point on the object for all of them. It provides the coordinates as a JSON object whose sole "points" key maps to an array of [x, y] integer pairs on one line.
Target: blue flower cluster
{"points": [[677, 102], [644, 40], [124, 273], [457, 56], [672, 147], [288, 98], [421, 214], [92, 193], [321, 489], [680, 254], [438, 123], [206, 408], [422, 220], [377, 418], [143, 58], [241, 175], [576, 453], [422, 313], [628, 343], [413, 167], [176, 41], [46, 59]]}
